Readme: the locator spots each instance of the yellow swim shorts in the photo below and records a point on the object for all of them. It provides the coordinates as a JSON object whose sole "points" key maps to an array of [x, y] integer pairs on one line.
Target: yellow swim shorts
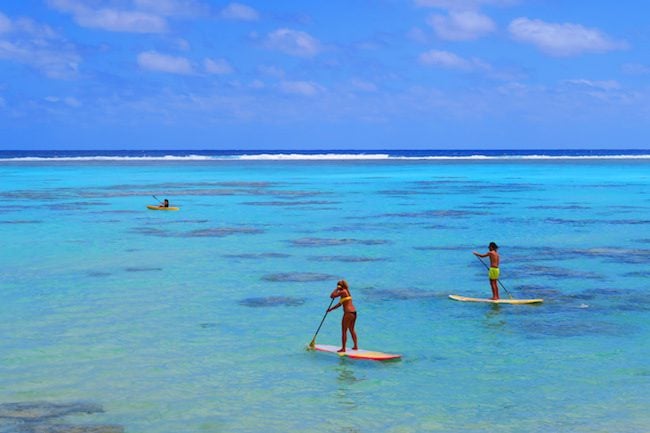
{"points": [[493, 274]]}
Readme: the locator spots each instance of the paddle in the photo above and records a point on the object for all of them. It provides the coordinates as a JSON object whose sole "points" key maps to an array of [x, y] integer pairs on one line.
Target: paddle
{"points": [[501, 284], [161, 203], [313, 340]]}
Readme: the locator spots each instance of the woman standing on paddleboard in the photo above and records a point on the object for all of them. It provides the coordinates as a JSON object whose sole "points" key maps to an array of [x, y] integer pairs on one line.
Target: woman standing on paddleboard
{"points": [[349, 313]]}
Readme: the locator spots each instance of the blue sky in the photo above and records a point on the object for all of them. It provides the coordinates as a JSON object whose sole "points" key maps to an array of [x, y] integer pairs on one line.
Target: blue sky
{"points": [[354, 74]]}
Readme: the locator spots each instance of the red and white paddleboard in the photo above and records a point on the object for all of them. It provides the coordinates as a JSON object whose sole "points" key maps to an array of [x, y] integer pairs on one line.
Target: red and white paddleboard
{"points": [[357, 354]]}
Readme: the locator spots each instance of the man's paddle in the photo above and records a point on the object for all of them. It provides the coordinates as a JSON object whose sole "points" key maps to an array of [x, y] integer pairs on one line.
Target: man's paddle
{"points": [[161, 203], [313, 340], [501, 284]]}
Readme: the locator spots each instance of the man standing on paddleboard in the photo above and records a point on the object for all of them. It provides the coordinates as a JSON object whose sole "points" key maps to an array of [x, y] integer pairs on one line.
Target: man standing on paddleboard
{"points": [[493, 272]]}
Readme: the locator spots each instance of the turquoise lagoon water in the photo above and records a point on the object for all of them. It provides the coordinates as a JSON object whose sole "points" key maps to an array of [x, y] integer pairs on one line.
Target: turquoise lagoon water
{"points": [[198, 320]]}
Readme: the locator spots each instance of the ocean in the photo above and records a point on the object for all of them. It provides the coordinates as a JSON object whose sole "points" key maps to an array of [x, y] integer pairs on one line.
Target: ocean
{"points": [[116, 318]]}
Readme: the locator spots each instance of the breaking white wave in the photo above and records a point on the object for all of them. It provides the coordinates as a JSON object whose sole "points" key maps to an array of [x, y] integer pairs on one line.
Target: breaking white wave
{"points": [[331, 156]]}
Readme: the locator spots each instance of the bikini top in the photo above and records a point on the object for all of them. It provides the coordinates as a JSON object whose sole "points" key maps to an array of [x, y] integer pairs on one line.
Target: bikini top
{"points": [[346, 299]]}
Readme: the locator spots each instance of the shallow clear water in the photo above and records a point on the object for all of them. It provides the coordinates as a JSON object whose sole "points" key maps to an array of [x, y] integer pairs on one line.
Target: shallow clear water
{"points": [[198, 320]]}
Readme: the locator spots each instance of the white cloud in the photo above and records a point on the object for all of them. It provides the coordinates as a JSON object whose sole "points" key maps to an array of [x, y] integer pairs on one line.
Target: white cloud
{"points": [[608, 91], [238, 11], [72, 101], [304, 88], [172, 8], [417, 35], [153, 61], [26, 42], [26, 26], [70, 6], [445, 59], [122, 21], [68, 100], [217, 66], [461, 26], [597, 84], [562, 40], [635, 69], [463, 5], [293, 42], [364, 86], [182, 44], [55, 62], [272, 71], [5, 23], [114, 20]]}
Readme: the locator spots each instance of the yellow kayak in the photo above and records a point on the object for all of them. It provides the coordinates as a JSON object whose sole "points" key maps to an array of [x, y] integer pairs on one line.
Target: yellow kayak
{"points": [[153, 207]]}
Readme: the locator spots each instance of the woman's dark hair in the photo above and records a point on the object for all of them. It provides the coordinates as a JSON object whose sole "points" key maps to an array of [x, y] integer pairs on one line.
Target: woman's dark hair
{"points": [[493, 246]]}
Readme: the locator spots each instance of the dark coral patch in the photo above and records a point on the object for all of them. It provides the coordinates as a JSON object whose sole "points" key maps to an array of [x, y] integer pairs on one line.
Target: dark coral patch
{"points": [[585, 222], [221, 232], [402, 294], [151, 231], [40, 410], [450, 248], [551, 272], [346, 259], [445, 213], [610, 254], [188, 221], [208, 325], [323, 242], [560, 207], [256, 256], [21, 222], [142, 269], [494, 203], [638, 274], [215, 232], [72, 428], [298, 277], [98, 274], [291, 203], [406, 192], [89, 203], [635, 302], [272, 301], [41, 417]]}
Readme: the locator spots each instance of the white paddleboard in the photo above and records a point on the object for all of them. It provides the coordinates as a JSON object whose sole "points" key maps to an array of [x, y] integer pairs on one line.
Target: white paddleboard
{"points": [[496, 301], [357, 354]]}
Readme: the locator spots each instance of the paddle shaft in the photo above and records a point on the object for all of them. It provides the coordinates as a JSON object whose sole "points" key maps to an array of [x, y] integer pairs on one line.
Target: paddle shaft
{"points": [[501, 284], [157, 199], [313, 340]]}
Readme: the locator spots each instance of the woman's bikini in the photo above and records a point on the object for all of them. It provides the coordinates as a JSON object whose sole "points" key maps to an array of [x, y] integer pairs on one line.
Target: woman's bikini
{"points": [[346, 299]]}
